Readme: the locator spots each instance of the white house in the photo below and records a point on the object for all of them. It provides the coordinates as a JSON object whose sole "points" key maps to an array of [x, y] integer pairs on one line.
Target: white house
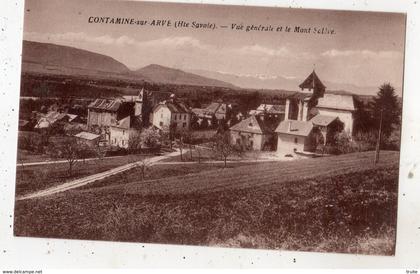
{"points": [[124, 130], [171, 113]]}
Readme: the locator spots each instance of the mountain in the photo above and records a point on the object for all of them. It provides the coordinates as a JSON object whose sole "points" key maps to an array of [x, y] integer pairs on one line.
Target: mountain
{"points": [[57, 59], [278, 82], [161, 74]]}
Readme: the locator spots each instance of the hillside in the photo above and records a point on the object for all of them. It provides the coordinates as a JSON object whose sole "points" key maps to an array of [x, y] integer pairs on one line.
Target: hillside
{"points": [[334, 204], [56, 59], [165, 75]]}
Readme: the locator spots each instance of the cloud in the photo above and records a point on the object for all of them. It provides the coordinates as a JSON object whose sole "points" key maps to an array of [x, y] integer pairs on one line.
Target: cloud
{"points": [[77, 37], [361, 53], [260, 50]]}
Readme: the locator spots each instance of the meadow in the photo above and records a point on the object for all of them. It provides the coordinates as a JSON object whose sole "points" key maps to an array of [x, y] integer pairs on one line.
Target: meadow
{"points": [[333, 204]]}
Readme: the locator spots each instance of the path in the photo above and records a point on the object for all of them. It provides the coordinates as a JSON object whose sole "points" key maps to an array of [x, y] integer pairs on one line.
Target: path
{"points": [[92, 178]]}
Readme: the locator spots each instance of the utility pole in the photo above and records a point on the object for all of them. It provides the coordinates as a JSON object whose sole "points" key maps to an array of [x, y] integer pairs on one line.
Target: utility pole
{"points": [[378, 144]]}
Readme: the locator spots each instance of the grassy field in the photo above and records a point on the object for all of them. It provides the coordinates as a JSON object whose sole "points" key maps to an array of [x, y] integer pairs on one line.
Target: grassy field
{"points": [[160, 171], [33, 178], [335, 204]]}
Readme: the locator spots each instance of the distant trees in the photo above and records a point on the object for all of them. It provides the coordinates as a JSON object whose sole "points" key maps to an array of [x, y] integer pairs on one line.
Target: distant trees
{"points": [[386, 104]]}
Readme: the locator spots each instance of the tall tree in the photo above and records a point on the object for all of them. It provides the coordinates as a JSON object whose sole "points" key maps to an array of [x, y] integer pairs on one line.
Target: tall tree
{"points": [[386, 102]]}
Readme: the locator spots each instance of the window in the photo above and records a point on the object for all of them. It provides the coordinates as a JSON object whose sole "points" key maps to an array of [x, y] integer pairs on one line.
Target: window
{"points": [[161, 123], [123, 132], [185, 117], [184, 124], [296, 140], [161, 115], [122, 142]]}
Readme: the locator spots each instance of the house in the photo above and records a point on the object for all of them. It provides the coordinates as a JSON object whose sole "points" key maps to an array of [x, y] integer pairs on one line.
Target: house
{"points": [[254, 133], [269, 110], [217, 109], [171, 113], [104, 113], [88, 138], [123, 131], [47, 120], [295, 136]]}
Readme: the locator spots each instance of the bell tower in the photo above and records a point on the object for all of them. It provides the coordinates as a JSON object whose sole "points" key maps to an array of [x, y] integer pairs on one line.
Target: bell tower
{"points": [[138, 104]]}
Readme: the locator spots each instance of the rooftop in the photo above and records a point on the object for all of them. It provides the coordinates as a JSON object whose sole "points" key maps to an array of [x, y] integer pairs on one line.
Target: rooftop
{"points": [[105, 104], [293, 127], [254, 124], [335, 101], [87, 135], [323, 120]]}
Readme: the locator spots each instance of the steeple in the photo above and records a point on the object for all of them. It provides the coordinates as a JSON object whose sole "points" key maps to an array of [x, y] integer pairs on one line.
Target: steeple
{"points": [[313, 85]]}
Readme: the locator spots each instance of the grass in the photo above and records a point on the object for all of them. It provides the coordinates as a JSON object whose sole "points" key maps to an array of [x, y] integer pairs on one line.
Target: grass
{"points": [[334, 204], [159, 171], [38, 177]]}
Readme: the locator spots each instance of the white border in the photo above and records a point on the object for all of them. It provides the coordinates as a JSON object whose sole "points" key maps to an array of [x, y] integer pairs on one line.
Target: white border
{"points": [[32, 253]]}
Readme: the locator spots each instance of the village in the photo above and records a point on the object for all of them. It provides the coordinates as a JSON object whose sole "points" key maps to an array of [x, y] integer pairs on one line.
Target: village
{"points": [[304, 126]]}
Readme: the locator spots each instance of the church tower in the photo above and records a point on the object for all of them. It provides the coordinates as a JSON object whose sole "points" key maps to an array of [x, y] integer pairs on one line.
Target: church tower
{"points": [[311, 89], [138, 103]]}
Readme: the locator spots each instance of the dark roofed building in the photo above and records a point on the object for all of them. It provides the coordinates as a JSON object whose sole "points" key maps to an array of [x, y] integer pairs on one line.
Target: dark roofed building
{"points": [[254, 133]]}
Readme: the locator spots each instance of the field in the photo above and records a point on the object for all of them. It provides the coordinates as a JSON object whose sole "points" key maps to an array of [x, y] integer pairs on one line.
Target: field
{"points": [[33, 178], [334, 204]]}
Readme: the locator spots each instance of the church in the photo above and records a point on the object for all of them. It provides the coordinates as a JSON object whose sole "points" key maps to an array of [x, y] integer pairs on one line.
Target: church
{"points": [[313, 116]]}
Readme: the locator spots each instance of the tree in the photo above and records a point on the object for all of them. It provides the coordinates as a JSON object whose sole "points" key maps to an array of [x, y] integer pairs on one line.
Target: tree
{"points": [[150, 138], [222, 146], [142, 166], [187, 138], [386, 102], [70, 150]]}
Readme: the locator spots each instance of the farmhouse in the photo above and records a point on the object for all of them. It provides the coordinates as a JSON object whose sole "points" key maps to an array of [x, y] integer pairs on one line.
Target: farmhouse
{"points": [[171, 114], [254, 133], [295, 136], [124, 131], [88, 138], [51, 118]]}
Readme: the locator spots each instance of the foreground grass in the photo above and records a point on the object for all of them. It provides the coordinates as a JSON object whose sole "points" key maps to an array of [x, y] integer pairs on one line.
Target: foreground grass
{"points": [[30, 179], [351, 212]]}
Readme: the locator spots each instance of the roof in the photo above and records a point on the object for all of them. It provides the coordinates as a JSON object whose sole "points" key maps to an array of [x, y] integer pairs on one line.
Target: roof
{"points": [[71, 117], [105, 104], [334, 101], [213, 107], [87, 135], [272, 109], [173, 106], [323, 120], [254, 124], [50, 118], [312, 82], [293, 127], [23, 123]]}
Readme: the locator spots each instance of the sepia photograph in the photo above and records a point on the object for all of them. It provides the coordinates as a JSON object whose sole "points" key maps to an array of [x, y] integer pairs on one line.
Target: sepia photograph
{"points": [[208, 125]]}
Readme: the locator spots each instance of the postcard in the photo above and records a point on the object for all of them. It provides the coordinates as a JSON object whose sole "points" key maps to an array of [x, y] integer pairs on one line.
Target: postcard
{"points": [[210, 125]]}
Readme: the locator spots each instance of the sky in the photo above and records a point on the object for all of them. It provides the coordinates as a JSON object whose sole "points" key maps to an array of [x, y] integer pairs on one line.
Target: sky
{"points": [[366, 49]]}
